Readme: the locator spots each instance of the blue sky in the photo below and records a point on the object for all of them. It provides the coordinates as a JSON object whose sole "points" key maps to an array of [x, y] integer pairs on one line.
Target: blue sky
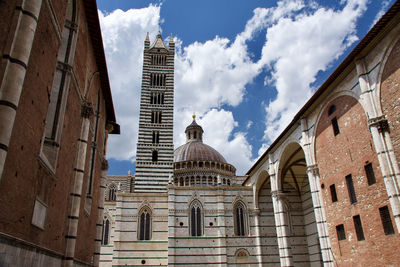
{"points": [[244, 67]]}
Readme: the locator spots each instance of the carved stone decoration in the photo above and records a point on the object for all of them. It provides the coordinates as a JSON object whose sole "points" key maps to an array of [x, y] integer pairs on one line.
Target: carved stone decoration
{"points": [[313, 169], [381, 123], [104, 164], [87, 110]]}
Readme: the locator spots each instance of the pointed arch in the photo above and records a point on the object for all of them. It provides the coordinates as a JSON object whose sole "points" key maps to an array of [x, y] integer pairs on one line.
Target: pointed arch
{"points": [[144, 223], [196, 218], [240, 218], [111, 192]]}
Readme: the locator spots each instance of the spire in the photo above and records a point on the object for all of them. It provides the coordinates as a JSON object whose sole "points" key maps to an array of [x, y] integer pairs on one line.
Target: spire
{"points": [[171, 42], [147, 41], [194, 116], [159, 43]]}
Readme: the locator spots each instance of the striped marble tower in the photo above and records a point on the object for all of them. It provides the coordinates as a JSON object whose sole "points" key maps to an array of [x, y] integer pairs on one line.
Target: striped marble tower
{"points": [[155, 148]]}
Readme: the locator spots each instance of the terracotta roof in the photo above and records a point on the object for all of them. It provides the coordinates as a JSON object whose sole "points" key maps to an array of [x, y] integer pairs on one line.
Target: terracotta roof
{"points": [[371, 36], [197, 151], [98, 49]]}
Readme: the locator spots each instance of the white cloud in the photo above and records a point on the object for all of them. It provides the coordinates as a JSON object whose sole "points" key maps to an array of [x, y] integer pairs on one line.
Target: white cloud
{"points": [[123, 37], [218, 126], [301, 40], [298, 46], [384, 7]]}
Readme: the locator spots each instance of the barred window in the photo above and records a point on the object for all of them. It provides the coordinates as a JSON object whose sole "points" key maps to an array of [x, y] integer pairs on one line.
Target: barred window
{"points": [[156, 137], [158, 59], [156, 116], [158, 79]]}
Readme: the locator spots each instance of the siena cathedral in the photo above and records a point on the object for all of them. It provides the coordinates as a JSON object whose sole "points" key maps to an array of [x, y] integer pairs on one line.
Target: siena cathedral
{"points": [[325, 193]]}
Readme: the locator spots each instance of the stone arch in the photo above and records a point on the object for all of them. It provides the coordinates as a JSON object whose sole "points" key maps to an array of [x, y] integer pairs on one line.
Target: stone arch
{"points": [[242, 257], [144, 219], [240, 217], [323, 109], [387, 57], [389, 98], [296, 211], [264, 203], [196, 217]]}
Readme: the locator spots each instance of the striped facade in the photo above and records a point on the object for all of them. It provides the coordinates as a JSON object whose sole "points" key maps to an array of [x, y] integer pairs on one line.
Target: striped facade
{"points": [[156, 117]]}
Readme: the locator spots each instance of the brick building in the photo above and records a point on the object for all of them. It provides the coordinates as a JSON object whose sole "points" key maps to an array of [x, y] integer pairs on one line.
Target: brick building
{"points": [[56, 112]]}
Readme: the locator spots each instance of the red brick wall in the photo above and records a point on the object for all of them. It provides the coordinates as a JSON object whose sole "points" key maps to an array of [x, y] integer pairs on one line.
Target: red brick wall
{"points": [[338, 156], [390, 96], [25, 177]]}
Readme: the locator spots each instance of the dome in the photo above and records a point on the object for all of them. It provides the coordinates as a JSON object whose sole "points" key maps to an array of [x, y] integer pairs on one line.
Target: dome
{"points": [[197, 151]]}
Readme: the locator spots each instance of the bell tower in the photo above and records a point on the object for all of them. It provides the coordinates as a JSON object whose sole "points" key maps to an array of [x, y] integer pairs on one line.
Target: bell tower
{"points": [[155, 148]]}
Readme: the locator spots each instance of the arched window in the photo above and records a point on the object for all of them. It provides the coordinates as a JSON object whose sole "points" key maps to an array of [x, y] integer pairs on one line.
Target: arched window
{"points": [[105, 237], [240, 219], [242, 257], [196, 218], [144, 231], [111, 193]]}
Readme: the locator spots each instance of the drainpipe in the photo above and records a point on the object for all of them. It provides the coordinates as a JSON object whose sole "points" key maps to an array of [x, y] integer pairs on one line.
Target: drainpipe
{"points": [[16, 61], [76, 190]]}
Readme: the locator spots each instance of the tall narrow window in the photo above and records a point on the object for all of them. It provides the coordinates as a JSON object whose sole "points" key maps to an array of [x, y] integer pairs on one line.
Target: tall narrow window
{"points": [[331, 110], [94, 146], [59, 91], [341, 235], [358, 227], [196, 219], [335, 126], [144, 224], [333, 193], [156, 116], [240, 219], [111, 193], [154, 156], [369, 172], [386, 220], [105, 231], [156, 137], [350, 189]]}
